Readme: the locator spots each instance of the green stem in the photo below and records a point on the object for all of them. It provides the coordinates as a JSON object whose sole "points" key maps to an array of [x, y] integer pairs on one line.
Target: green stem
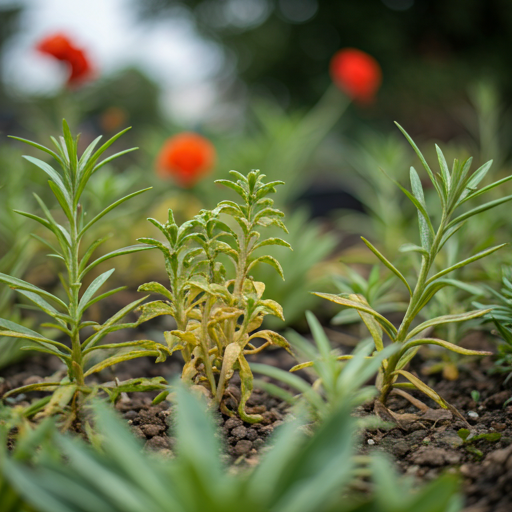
{"points": [[74, 288], [412, 311]]}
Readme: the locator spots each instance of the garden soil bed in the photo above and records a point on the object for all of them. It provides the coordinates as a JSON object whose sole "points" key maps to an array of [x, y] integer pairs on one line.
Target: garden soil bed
{"points": [[424, 444]]}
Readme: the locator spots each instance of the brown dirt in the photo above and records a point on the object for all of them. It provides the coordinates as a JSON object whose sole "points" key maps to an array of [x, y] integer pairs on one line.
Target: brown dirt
{"points": [[424, 445]]}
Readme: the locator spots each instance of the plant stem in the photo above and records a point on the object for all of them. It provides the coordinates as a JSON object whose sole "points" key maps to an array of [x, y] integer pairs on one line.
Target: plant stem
{"points": [[74, 289], [410, 314]]}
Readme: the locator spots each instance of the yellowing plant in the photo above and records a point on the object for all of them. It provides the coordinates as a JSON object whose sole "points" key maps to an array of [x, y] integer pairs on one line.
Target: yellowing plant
{"points": [[217, 318]]}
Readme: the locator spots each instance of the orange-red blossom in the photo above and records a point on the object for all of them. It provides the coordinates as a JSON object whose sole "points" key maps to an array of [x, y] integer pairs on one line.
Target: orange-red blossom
{"points": [[186, 157], [357, 74], [60, 47]]}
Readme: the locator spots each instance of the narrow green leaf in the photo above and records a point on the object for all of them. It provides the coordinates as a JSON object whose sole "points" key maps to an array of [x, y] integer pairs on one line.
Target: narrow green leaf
{"points": [[104, 296], [38, 339], [45, 306], [291, 380], [39, 146], [423, 217], [414, 248], [87, 153], [90, 251], [118, 252], [384, 322], [465, 262], [92, 289], [477, 210], [474, 181], [388, 264], [42, 221], [445, 173], [446, 319], [423, 162], [444, 344], [113, 157], [16, 283], [62, 200], [53, 174], [486, 189], [127, 356], [110, 208]]}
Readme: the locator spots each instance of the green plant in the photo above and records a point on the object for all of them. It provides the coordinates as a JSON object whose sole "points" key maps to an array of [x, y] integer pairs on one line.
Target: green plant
{"points": [[501, 315], [16, 250], [379, 291], [454, 188], [28, 440], [336, 378], [299, 473], [216, 317], [469, 440], [67, 313]]}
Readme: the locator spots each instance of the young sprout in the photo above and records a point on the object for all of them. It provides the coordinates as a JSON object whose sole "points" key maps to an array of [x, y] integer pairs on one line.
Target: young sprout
{"points": [[454, 188], [501, 315], [216, 318], [337, 379], [81, 355]]}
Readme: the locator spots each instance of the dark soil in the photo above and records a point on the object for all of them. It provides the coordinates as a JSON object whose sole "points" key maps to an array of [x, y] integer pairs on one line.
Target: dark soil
{"points": [[424, 444], [428, 444]]}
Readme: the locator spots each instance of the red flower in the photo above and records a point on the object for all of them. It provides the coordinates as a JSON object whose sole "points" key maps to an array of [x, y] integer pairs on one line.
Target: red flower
{"points": [[357, 74], [60, 47], [187, 157]]}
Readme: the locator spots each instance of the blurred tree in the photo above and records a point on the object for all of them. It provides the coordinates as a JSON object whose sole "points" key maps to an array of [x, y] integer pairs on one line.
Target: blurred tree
{"points": [[429, 49], [9, 15]]}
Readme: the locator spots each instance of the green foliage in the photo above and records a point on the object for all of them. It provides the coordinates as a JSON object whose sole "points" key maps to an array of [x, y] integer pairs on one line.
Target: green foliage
{"points": [[27, 442], [379, 291], [300, 473], [303, 268], [501, 315], [84, 357], [336, 379], [454, 188], [16, 250], [216, 317]]}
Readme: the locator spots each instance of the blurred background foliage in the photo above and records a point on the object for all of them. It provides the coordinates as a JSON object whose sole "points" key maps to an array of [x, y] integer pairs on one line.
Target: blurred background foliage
{"points": [[269, 103]]}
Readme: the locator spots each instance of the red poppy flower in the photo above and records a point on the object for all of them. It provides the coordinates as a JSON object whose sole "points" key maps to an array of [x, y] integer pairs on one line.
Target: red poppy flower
{"points": [[357, 74], [187, 157], [60, 47]]}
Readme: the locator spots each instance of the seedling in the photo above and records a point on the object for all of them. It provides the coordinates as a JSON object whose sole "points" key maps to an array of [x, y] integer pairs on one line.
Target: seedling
{"points": [[217, 318], [67, 313], [501, 315], [468, 440], [454, 188], [335, 380]]}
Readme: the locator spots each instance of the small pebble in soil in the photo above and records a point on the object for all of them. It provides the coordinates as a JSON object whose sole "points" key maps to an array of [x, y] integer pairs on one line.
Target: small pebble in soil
{"points": [[473, 414], [242, 447], [371, 442], [239, 432]]}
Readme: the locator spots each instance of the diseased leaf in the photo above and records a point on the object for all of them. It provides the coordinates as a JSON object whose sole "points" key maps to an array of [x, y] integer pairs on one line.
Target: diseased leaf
{"points": [[384, 322], [421, 386], [269, 260], [446, 319], [444, 344]]}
